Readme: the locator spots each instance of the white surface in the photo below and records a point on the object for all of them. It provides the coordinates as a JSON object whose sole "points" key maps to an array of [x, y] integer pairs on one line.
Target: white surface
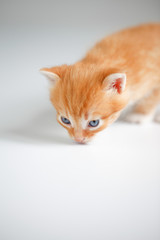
{"points": [[50, 187]]}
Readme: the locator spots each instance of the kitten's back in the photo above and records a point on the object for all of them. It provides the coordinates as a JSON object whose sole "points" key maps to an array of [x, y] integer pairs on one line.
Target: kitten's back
{"points": [[135, 51], [129, 41]]}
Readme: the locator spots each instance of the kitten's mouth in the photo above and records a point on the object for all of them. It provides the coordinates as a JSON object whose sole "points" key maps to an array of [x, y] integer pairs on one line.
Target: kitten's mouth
{"points": [[81, 140], [81, 143]]}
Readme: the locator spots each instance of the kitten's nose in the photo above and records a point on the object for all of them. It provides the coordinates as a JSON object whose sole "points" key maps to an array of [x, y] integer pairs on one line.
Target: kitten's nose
{"points": [[80, 140]]}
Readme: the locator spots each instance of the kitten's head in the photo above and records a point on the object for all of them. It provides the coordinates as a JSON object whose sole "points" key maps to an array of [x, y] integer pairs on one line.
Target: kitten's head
{"points": [[87, 100]]}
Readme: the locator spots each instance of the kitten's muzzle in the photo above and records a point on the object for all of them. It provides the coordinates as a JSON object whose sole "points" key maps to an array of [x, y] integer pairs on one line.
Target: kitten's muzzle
{"points": [[80, 140]]}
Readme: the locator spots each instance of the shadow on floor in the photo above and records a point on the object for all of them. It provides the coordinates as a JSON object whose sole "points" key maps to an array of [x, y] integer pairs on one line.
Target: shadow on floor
{"points": [[42, 128]]}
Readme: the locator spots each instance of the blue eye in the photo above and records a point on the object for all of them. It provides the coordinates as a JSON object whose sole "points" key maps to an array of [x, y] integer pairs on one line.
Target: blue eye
{"points": [[65, 120], [93, 123]]}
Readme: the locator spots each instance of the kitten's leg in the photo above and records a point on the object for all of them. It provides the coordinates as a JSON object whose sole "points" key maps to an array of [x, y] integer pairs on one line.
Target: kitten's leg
{"points": [[144, 110]]}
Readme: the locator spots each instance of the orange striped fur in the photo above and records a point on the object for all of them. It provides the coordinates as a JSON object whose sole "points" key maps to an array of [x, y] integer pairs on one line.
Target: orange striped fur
{"points": [[85, 91]]}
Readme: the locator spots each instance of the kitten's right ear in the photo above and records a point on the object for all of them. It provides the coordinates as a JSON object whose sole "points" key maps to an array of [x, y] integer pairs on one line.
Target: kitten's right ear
{"points": [[50, 75], [115, 82]]}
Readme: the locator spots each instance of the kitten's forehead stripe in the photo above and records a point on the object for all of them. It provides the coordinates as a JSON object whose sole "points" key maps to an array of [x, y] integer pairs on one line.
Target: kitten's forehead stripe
{"points": [[86, 116]]}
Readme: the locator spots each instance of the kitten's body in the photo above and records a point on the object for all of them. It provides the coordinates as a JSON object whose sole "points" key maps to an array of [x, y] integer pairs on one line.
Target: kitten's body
{"points": [[96, 87]]}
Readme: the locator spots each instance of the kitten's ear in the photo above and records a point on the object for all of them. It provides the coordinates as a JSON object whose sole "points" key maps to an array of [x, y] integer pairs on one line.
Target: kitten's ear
{"points": [[115, 82], [51, 75]]}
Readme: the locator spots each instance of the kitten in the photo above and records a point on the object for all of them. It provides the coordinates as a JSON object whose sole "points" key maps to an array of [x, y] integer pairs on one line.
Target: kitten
{"points": [[120, 69]]}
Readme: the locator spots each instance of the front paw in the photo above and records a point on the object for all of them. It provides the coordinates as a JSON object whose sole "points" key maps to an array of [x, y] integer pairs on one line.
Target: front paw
{"points": [[138, 118]]}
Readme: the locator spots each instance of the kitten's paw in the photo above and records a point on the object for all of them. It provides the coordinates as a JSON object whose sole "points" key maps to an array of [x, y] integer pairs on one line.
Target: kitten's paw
{"points": [[157, 118], [138, 118]]}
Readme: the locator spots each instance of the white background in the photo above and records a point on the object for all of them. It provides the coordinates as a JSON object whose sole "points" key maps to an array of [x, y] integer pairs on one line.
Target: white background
{"points": [[50, 187]]}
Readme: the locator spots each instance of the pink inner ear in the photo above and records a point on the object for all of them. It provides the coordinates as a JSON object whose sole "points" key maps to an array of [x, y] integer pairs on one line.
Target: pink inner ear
{"points": [[117, 84]]}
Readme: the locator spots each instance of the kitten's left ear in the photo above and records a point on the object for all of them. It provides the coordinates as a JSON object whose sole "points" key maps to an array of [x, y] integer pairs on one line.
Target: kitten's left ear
{"points": [[50, 74], [115, 82]]}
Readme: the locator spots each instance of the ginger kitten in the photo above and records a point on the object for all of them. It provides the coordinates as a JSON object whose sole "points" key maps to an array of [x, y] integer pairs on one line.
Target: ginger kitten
{"points": [[120, 69]]}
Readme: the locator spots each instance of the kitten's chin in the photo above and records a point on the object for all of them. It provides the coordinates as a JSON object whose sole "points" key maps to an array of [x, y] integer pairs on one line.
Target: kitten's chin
{"points": [[81, 140]]}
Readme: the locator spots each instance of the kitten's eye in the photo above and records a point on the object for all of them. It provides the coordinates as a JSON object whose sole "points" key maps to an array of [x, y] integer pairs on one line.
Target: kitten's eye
{"points": [[65, 120], [93, 123]]}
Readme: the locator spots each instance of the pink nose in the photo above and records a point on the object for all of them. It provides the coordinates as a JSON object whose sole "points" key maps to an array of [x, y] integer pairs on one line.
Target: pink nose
{"points": [[80, 140]]}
